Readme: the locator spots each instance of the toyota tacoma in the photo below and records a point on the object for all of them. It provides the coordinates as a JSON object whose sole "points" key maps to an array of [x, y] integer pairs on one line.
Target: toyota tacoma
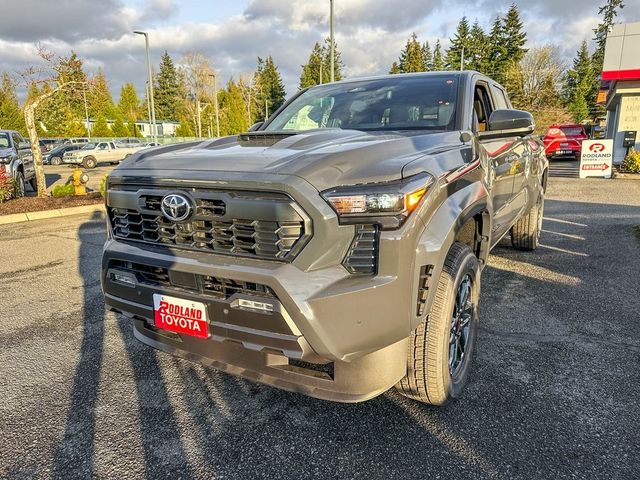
{"points": [[335, 250]]}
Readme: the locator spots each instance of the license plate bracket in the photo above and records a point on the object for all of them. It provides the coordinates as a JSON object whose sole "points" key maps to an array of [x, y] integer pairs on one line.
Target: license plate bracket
{"points": [[179, 315]]}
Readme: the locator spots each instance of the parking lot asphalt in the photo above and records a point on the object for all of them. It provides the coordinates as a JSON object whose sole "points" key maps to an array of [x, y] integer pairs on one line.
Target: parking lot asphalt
{"points": [[59, 174], [554, 391]]}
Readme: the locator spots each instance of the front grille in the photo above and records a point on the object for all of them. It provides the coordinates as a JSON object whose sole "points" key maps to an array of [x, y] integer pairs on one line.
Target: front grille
{"points": [[205, 284], [252, 224], [362, 257]]}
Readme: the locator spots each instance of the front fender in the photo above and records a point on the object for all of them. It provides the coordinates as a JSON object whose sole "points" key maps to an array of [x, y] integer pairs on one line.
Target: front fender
{"points": [[441, 229]]}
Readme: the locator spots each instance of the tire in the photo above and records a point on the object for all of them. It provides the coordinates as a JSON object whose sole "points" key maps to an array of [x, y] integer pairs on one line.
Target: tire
{"points": [[89, 162], [33, 183], [20, 184], [434, 375], [525, 233], [55, 161]]}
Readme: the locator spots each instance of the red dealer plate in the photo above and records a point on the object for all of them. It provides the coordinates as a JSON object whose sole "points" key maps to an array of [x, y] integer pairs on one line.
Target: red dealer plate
{"points": [[180, 316]]}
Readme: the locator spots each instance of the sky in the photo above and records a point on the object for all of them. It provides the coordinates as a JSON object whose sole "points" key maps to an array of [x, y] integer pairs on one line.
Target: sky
{"points": [[232, 34]]}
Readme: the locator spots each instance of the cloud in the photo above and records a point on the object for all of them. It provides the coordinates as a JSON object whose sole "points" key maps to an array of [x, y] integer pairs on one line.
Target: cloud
{"points": [[370, 33]]}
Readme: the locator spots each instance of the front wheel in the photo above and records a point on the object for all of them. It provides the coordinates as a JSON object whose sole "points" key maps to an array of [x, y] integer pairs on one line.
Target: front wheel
{"points": [[20, 185], [525, 233], [441, 348], [55, 161]]}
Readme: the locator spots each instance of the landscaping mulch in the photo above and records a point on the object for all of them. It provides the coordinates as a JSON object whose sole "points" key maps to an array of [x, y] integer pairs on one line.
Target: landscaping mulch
{"points": [[35, 204]]}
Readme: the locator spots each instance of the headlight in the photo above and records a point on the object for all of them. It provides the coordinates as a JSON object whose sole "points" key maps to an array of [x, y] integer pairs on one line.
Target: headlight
{"points": [[388, 204], [5, 160]]}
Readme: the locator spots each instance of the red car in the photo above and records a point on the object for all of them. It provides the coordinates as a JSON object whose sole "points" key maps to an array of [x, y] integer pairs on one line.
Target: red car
{"points": [[562, 141]]}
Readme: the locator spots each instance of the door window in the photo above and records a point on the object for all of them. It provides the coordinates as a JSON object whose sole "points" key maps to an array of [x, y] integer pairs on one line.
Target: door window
{"points": [[481, 107], [17, 140], [500, 98]]}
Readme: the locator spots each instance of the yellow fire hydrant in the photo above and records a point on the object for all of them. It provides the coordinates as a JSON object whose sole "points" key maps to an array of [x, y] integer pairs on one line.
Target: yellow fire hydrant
{"points": [[79, 179]]}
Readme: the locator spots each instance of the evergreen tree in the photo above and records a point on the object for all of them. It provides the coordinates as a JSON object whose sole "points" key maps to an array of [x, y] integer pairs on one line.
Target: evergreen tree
{"points": [[427, 57], [100, 127], [321, 56], [99, 99], [70, 70], [166, 94], [270, 87], [184, 129], [578, 84], [497, 60], [33, 92], [129, 106], [118, 129], [609, 11], [513, 35], [459, 45], [395, 69], [11, 116], [411, 59], [311, 70], [477, 56], [233, 111], [438, 60]]}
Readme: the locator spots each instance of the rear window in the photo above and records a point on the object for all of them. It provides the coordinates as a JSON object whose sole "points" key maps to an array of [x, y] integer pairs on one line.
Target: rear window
{"points": [[566, 132]]}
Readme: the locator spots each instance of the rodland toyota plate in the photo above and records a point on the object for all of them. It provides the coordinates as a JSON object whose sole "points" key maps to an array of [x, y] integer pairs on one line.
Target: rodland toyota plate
{"points": [[180, 316]]}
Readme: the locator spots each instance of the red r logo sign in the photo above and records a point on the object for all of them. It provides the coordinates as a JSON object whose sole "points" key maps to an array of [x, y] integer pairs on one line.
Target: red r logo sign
{"points": [[596, 147]]}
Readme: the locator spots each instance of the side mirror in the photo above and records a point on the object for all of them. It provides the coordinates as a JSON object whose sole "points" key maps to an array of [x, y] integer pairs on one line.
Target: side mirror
{"points": [[24, 144], [255, 126], [504, 123]]}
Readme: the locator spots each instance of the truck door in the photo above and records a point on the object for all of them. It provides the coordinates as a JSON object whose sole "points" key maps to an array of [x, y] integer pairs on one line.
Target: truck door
{"points": [[502, 153], [25, 155]]}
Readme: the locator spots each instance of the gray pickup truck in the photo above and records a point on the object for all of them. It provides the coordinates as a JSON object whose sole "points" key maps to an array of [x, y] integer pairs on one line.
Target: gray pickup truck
{"points": [[17, 160], [337, 249]]}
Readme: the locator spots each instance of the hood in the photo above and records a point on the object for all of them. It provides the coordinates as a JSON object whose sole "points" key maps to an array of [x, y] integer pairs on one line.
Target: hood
{"points": [[325, 157], [7, 152]]}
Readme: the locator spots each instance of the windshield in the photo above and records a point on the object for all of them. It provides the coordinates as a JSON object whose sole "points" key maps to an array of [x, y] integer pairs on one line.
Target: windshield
{"points": [[572, 131], [393, 103], [4, 140], [88, 146]]}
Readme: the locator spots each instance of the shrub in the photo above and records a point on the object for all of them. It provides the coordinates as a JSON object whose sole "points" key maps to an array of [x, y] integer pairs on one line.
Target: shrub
{"points": [[103, 186], [631, 163], [63, 191], [7, 186]]}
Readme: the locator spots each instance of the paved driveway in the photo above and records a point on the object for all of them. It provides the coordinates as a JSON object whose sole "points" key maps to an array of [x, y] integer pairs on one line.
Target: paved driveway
{"points": [[554, 394]]}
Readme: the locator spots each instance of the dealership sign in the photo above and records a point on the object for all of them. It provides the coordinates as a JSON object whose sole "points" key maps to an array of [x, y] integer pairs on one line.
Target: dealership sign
{"points": [[596, 158]]}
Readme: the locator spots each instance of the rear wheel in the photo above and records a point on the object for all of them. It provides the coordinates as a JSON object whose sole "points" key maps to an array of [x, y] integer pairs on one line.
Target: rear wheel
{"points": [[89, 162], [55, 161], [33, 183], [441, 348], [525, 234]]}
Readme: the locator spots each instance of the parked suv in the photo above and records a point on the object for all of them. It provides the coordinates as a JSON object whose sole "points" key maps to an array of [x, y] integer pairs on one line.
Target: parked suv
{"points": [[564, 141], [17, 160], [337, 249]]}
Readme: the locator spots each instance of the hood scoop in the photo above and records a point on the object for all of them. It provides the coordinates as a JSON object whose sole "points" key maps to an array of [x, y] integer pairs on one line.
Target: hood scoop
{"points": [[262, 139]]}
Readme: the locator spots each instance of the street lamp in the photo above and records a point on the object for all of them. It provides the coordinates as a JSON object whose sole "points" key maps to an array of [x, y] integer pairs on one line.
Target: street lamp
{"points": [[215, 102], [86, 110], [331, 39], [153, 108]]}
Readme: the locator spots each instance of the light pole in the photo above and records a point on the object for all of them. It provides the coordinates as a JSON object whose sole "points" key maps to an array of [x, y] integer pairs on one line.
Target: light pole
{"points": [[332, 76], [153, 108], [148, 104], [215, 102], [86, 110]]}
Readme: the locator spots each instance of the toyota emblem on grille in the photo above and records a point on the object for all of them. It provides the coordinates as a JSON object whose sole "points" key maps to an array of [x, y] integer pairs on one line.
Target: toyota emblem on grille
{"points": [[176, 207]]}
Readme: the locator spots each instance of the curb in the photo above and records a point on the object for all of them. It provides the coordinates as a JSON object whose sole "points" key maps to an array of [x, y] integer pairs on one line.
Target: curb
{"points": [[44, 214]]}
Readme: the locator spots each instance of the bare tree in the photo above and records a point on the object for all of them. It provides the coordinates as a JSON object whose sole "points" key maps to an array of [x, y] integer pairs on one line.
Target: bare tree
{"points": [[535, 84], [198, 74], [249, 91], [51, 72]]}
